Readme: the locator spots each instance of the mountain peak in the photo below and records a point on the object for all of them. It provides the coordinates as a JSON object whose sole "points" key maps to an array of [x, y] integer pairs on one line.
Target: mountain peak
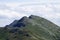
{"points": [[33, 16], [23, 18], [31, 28], [19, 23], [23, 21]]}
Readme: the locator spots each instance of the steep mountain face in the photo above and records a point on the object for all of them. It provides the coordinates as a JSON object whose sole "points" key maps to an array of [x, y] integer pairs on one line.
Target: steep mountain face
{"points": [[30, 28], [18, 23]]}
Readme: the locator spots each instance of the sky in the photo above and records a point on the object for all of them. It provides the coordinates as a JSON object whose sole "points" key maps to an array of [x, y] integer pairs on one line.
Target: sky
{"points": [[11, 10]]}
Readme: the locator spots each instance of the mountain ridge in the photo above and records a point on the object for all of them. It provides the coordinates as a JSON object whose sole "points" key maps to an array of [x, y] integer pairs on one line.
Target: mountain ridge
{"points": [[31, 28]]}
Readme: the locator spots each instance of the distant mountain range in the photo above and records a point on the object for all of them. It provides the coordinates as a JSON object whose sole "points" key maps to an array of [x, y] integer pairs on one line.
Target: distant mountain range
{"points": [[30, 28]]}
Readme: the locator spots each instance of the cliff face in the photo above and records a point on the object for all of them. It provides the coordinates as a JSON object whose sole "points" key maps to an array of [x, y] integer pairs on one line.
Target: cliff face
{"points": [[30, 28]]}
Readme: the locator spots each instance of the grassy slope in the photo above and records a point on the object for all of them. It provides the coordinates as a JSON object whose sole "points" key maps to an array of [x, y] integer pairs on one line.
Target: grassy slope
{"points": [[36, 29], [43, 29]]}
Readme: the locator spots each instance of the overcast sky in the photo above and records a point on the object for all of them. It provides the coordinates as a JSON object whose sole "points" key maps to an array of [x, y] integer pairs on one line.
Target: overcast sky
{"points": [[15, 9]]}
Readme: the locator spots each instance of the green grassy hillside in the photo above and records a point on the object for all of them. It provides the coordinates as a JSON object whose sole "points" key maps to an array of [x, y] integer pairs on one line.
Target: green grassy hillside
{"points": [[30, 28]]}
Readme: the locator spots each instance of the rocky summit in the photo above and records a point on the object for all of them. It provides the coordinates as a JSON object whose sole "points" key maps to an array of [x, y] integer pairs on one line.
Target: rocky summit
{"points": [[30, 28]]}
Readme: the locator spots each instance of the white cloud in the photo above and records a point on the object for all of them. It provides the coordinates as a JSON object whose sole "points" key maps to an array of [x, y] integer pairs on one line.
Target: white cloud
{"points": [[11, 14], [44, 9]]}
